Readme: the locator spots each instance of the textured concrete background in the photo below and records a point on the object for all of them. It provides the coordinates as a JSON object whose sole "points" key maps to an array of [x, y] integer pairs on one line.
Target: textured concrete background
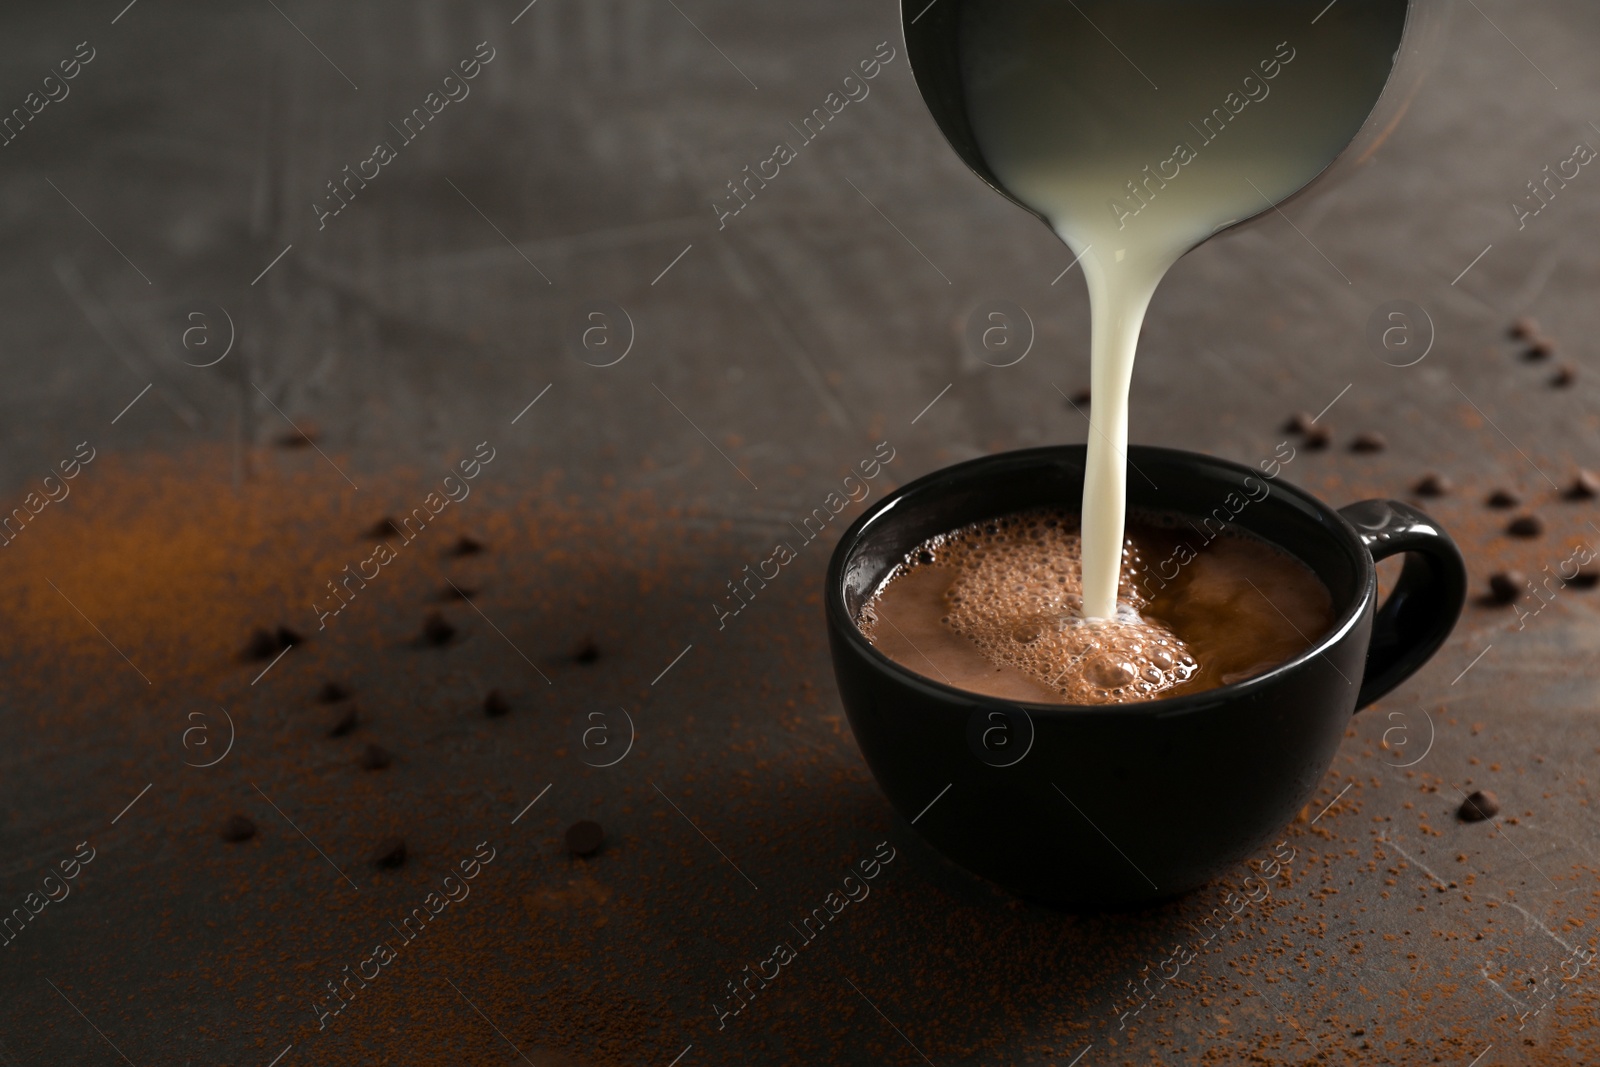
{"points": [[161, 214]]}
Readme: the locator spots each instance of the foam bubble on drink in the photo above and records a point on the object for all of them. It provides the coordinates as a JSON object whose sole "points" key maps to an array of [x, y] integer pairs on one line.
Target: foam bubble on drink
{"points": [[1017, 596]]}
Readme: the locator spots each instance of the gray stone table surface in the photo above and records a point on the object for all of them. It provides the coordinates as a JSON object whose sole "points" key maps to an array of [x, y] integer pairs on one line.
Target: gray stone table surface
{"points": [[248, 359]]}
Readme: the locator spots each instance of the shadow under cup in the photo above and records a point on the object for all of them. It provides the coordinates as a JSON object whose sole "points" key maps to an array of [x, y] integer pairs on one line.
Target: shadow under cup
{"points": [[1121, 805]]}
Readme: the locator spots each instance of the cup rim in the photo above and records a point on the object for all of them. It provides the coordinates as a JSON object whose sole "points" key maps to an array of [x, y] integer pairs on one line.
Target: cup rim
{"points": [[1162, 707]]}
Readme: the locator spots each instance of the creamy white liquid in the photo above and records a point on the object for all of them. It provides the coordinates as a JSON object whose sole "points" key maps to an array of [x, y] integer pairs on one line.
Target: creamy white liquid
{"points": [[1213, 109]]}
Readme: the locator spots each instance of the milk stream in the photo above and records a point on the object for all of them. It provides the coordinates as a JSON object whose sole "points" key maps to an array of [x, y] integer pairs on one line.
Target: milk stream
{"points": [[1138, 128]]}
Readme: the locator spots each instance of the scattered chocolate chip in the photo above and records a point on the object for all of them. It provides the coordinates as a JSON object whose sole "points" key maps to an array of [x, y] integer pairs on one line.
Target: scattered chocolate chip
{"points": [[389, 853], [1506, 586], [263, 645], [1369, 441], [1081, 397], [1503, 498], [1299, 422], [466, 546], [585, 651], [1543, 348], [585, 838], [376, 758], [238, 828], [1564, 376], [496, 704], [1432, 485], [436, 629], [456, 592], [1479, 806], [345, 723], [1318, 438], [1585, 486], [1524, 328], [332, 693], [1586, 578], [1525, 526], [298, 438], [383, 528]]}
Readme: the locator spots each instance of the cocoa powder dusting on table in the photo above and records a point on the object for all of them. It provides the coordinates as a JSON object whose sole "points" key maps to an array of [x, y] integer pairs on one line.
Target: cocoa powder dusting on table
{"points": [[614, 959]]}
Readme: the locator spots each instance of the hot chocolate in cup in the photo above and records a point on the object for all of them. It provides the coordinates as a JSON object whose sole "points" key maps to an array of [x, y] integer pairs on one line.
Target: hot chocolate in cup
{"points": [[1094, 805]]}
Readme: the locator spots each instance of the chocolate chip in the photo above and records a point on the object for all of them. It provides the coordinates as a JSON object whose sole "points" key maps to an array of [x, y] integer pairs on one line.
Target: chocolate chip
{"points": [[1586, 578], [344, 723], [383, 528], [238, 828], [496, 704], [585, 838], [1503, 498], [1524, 328], [1432, 485], [263, 645], [1525, 526], [1585, 486], [466, 546], [1369, 441], [436, 629], [585, 651], [1479, 806], [1564, 376], [332, 693], [1541, 349], [1318, 438], [376, 758], [1506, 586], [1081, 397], [1299, 422], [389, 853]]}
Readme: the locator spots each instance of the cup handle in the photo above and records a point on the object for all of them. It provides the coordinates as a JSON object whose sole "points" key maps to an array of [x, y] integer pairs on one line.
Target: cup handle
{"points": [[1426, 602]]}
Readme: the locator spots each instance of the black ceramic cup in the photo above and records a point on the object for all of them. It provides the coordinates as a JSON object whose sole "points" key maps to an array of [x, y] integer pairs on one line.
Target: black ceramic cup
{"points": [[1122, 805]]}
